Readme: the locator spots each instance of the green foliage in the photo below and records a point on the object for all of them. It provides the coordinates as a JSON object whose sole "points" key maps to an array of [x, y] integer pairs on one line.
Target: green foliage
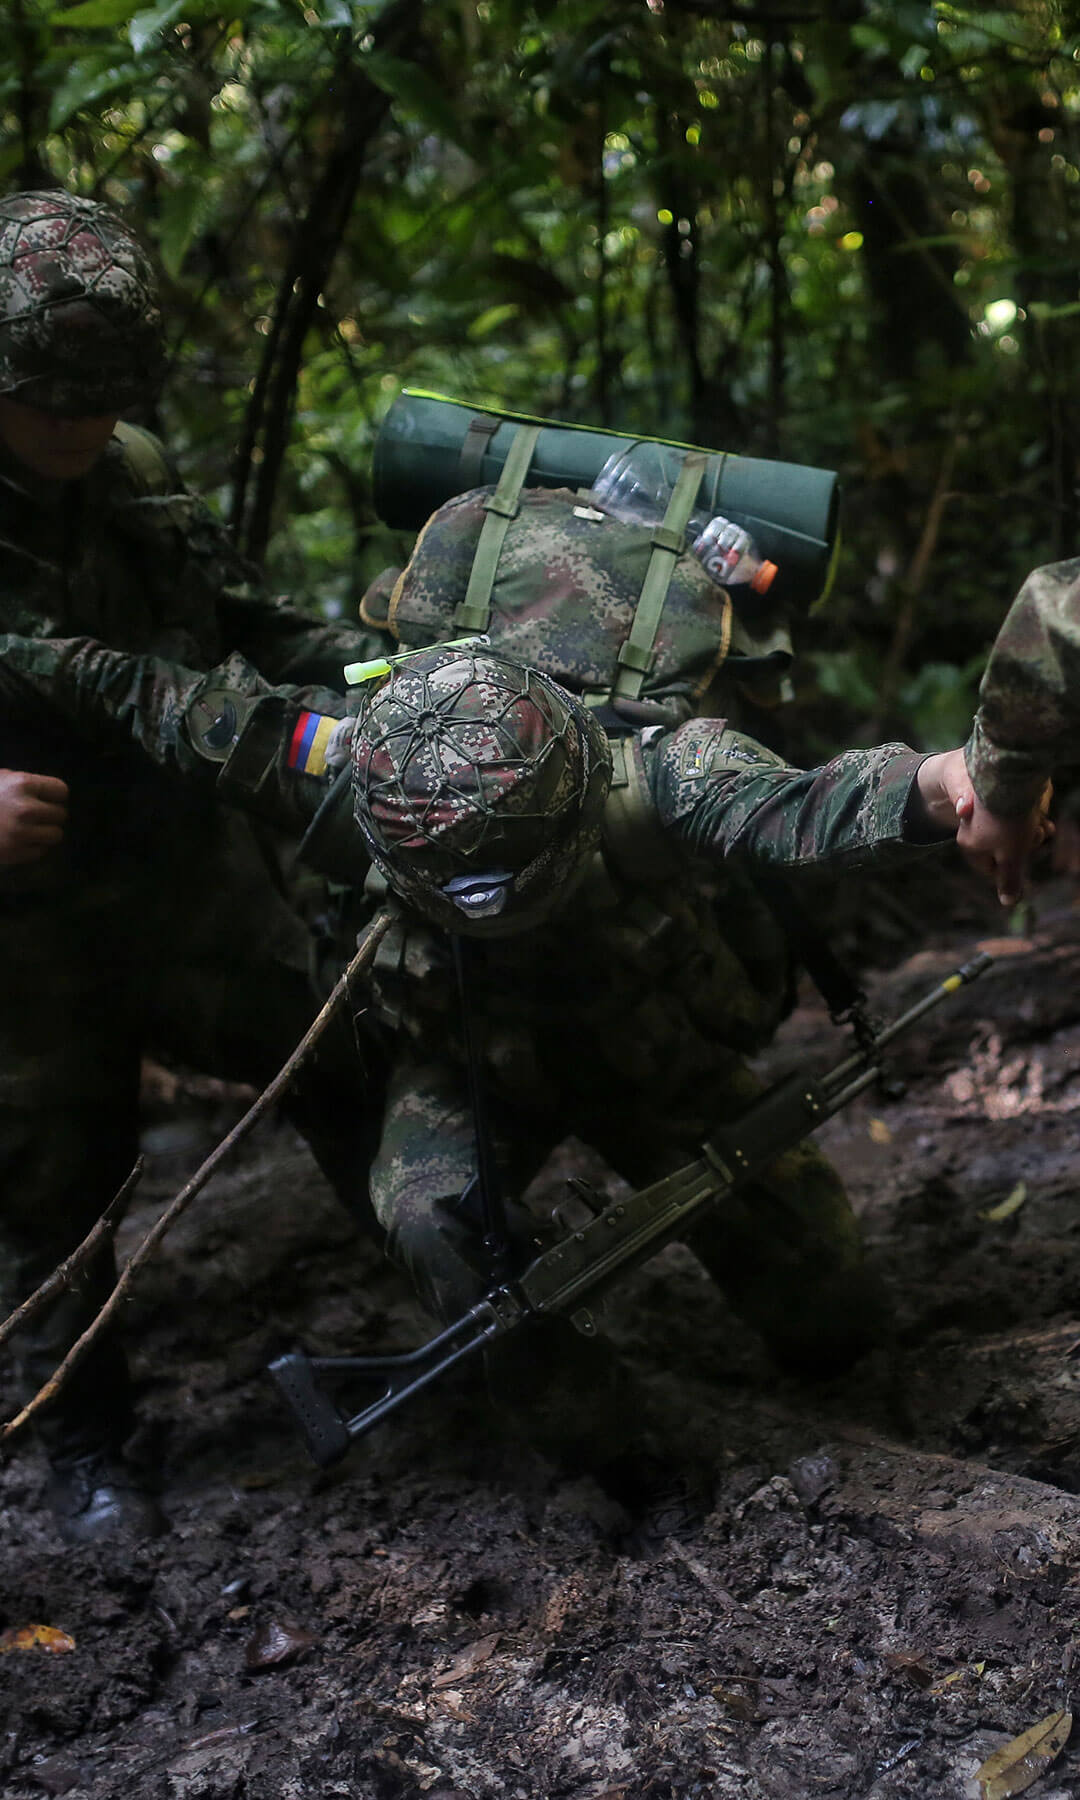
{"points": [[850, 240], [939, 700]]}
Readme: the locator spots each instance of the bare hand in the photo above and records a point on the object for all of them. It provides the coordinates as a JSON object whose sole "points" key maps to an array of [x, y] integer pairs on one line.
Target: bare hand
{"points": [[996, 847], [1000, 848], [33, 814], [944, 788]]}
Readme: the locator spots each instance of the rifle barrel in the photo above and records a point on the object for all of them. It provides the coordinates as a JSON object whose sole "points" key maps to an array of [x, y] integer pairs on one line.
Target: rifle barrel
{"points": [[961, 977]]}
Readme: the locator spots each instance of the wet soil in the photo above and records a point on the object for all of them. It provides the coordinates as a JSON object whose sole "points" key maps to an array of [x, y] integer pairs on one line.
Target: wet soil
{"points": [[881, 1588]]}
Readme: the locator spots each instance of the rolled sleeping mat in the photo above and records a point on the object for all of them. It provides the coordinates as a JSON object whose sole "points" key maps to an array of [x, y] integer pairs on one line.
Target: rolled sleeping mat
{"points": [[430, 447]]}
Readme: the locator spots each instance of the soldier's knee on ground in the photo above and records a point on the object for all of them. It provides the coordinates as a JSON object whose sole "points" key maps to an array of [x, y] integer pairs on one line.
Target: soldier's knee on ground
{"points": [[443, 1258], [425, 1159]]}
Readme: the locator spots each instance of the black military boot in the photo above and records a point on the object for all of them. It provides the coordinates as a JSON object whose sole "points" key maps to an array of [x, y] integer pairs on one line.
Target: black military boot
{"points": [[94, 1494], [59, 1168]]}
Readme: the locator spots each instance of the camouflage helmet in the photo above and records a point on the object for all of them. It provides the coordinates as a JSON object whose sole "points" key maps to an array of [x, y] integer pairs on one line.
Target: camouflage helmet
{"points": [[80, 328], [478, 786]]}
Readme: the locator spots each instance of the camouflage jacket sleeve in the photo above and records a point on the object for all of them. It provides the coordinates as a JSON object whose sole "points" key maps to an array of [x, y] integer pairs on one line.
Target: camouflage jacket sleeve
{"points": [[722, 794], [111, 698], [1029, 701]]}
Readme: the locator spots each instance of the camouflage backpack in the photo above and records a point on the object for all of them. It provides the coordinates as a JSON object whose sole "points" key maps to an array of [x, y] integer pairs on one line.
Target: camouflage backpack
{"points": [[616, 613], [629, 620]]}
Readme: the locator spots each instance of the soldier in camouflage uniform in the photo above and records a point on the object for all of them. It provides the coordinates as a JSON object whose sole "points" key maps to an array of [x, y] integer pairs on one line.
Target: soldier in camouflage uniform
{"points": [[135, 912], [1028, 721], [626, 966], [640, 967], [623, 969]]}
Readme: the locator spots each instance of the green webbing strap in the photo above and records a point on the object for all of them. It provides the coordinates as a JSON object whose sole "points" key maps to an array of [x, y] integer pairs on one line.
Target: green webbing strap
{"points": [[474, 612], [482, 428], [668, 541]]}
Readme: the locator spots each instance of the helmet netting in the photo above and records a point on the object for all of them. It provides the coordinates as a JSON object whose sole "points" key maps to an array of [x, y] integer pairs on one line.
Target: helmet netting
{"points": [[468, 763], [80, 328]]}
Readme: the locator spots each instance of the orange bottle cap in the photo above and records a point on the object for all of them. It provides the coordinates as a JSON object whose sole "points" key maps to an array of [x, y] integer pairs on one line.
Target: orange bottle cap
{"points": [[763, 577]]}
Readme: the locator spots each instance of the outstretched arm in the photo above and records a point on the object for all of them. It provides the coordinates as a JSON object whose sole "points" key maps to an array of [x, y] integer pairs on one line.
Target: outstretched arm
{"points": [[186, 721], [723, 794]]}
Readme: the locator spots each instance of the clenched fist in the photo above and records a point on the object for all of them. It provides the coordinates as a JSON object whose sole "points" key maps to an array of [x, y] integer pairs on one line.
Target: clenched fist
{"points": [[33, 814]]}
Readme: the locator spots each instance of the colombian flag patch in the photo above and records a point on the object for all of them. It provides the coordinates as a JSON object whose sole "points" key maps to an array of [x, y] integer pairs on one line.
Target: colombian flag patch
{"points": [[307, 750]]}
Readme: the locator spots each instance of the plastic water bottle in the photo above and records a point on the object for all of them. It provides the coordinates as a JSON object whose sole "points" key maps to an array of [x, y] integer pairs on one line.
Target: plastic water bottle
{"points": [[730, 556], [635, 486]]}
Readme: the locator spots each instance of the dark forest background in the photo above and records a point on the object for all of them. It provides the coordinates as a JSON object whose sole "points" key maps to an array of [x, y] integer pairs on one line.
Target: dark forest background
{"points": [[845, 234]]}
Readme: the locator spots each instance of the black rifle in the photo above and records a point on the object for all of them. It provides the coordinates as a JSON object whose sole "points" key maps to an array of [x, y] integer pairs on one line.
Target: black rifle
{"points": [[577, 1268]]}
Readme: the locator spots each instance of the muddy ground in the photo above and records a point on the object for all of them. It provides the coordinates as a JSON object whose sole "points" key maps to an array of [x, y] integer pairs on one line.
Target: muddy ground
{"points": [[885, 1585]]}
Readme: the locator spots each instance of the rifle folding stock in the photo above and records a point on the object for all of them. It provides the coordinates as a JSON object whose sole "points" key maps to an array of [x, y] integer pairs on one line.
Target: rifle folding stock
{"points": [[583, 1263]]}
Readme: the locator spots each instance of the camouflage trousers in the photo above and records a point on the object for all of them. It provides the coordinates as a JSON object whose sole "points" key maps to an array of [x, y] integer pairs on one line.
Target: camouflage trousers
{"points": [[204, 962], [786, 1250]]}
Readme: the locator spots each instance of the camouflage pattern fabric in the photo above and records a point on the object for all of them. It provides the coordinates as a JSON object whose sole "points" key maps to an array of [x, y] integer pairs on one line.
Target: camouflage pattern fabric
{"points": [[117, 607], [114, 603], [145, 568], [1029, 700], [113, 699], [623, 1019], [80, 327], [624, 1016], [786, 1251], [648, 979], [466, 763], [565, 593], [721, 793], [156, 923]]}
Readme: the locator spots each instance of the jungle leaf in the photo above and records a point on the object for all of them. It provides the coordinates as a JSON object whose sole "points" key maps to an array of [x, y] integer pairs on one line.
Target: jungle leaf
{"points": [[36, 1637], [1012, 1769], [1005, 1208]]}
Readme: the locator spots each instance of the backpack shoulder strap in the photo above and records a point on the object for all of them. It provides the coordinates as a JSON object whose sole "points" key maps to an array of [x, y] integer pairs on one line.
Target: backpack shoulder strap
{"points": [[474, 612], [639, 847], [668, 542], [145, 460]]}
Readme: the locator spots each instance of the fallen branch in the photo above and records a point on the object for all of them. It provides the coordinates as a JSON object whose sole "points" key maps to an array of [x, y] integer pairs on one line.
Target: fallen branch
{"points": [[64, 1277], [269, 1096]]}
